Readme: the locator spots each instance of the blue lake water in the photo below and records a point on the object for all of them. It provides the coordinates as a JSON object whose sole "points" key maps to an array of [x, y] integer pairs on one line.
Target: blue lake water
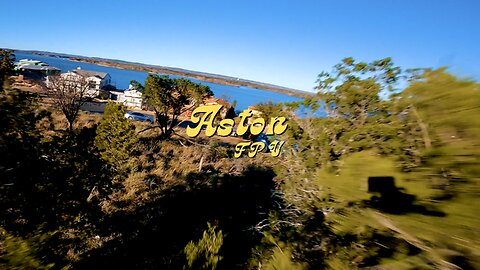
{"points": [[245, 96]]}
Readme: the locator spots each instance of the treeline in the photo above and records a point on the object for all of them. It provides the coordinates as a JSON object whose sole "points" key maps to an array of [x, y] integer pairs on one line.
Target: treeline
{"points": [[121, 195]]}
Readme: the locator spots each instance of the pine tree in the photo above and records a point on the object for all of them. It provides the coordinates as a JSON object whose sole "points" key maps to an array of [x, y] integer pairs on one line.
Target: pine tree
{"points": [[116, 137]]}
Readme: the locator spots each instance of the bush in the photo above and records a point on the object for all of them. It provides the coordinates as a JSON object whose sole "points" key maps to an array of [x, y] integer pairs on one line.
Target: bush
{"points": [[116, 137], [204, 254]]}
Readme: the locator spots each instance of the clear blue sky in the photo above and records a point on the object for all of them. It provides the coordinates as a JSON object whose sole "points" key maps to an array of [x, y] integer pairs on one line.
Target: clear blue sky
{"points": [[281, 42]]}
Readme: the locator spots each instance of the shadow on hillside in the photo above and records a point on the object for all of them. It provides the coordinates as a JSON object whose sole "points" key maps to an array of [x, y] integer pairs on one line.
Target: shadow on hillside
{"points": [[394, 200], [153, 237]]}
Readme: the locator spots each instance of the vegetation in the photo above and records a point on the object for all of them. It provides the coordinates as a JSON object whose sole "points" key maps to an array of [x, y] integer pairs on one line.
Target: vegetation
{"points": [[138, 86], [6, 66], [172, 97], [204, 253], [7, 61], [69, 93], [116, 136], [421, 136], [388, 180]]}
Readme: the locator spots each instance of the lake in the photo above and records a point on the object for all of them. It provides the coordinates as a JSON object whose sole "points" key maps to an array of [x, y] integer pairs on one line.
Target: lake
{"points": [[245, 96]]}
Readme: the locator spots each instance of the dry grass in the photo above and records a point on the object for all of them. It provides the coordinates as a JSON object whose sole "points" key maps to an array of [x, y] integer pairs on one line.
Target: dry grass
{"points": [[85, 119], [163, 164]]}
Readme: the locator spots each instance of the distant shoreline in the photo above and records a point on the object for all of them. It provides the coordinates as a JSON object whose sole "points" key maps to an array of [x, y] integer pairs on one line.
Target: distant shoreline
{"points": [[207, 77]]}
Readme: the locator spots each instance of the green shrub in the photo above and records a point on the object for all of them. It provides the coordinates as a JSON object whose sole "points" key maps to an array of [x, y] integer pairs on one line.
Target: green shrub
{"points": [[116, 137], [204, 254]]}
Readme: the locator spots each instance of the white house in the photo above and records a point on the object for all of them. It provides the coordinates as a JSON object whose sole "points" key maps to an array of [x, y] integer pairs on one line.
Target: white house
{"points": [[131, 97], [97, 80], [117, 96]]}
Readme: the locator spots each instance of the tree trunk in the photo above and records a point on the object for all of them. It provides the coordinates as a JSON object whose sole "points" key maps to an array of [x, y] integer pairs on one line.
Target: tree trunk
{"points": [[70, 125], [426, 137]]}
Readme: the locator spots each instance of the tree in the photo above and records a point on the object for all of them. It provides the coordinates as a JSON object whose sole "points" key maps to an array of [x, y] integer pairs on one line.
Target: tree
{"points": [[431, 127], [20, 137], [45, 182], [231, 111], [358, 118], [116, 136], [137, 86], [172, 97], [204, 254], [69, 93], [352, 90], [441, 115], [6, 65]]}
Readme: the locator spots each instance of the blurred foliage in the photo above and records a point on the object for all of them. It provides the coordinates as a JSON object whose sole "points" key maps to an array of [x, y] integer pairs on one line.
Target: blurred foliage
{"points": [[425, 136], [447, 111], [204, 254], [281, 260], [18, 253]]}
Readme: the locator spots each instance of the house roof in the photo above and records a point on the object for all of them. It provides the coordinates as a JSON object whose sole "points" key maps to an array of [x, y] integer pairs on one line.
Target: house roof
{"points": [[254, 110], [89, 73], [220, 101], [116, 92], [36, 67], [29, 61]]}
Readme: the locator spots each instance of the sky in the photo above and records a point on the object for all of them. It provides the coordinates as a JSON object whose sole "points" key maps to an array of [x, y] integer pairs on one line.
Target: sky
{"points": [[287, 43]]}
